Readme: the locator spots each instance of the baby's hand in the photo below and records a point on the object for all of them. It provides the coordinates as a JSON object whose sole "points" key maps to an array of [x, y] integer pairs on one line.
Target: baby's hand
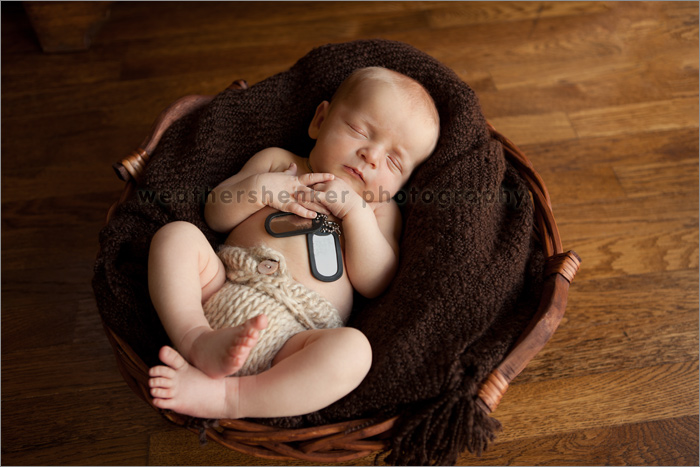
{"points": [[280, 190], [336, 196]]}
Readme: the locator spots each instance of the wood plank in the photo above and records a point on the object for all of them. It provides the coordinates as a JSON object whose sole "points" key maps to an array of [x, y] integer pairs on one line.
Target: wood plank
{"points": [[123, 95], [26, 256], [78, 421], [99, 129], [663, 442], [630, 344], [562, 88], [599, 400], [572, 71], [613, 151], [596, 183], [64, 282], [617, 217], [72, 179], [29, 320], [471, 13], [57, 211], [180, 21], [59, 370], [633, 118], [126, 450], [594, 48], [654, 298], [644, 32], [529, 129], [659, 178], [583, 185], [54, 71], [639, 253]]}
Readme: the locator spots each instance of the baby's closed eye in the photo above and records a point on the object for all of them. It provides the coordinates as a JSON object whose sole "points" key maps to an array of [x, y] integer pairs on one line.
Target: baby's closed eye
{"points": [[394, 162], [356, 129]]}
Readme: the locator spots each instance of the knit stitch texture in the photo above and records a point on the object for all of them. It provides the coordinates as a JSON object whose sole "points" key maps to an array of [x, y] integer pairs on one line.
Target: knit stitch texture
{"points": [[290, 307]]}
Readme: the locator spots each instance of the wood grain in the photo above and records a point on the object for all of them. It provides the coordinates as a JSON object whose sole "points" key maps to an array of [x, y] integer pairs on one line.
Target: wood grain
{"points": [[544, 408], [665, 442], [601, 96]]}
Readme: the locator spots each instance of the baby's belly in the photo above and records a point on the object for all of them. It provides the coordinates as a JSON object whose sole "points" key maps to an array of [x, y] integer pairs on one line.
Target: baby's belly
{"points": [[251, 232]]}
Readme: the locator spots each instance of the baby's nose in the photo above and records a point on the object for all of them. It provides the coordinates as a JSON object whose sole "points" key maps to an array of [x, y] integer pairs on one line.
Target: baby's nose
{"points": [[371, 155]]}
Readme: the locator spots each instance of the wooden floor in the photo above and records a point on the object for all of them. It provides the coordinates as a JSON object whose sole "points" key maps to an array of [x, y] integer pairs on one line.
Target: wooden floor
{"points": [[603, 97]]}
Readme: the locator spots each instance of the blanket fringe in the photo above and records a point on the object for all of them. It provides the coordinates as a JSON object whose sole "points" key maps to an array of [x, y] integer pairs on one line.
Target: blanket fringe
{"points": [[441, 430]]}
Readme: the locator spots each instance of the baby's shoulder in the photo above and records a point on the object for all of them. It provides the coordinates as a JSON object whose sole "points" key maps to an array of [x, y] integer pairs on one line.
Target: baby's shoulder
{"points": [[277, 159]]}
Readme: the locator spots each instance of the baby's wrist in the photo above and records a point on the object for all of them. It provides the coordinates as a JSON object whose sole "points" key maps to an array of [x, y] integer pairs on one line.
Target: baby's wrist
{"points": [[359, 211], [254, 188]]}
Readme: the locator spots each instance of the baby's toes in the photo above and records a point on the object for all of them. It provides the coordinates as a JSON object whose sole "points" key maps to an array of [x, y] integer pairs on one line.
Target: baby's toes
{"points": [[164, 383], [165, 403], [162, 393], [236, 352], [161, 371], [171, 357], [259, 322], [245, 341]]}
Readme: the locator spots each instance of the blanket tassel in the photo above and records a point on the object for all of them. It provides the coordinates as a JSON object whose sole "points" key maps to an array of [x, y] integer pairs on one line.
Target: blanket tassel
{"points": [[439, 432]]}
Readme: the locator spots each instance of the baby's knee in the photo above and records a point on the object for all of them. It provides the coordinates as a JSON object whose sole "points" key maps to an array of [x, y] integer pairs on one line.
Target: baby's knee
{"points": [[358, 351], [175, 232], [176, 228]]}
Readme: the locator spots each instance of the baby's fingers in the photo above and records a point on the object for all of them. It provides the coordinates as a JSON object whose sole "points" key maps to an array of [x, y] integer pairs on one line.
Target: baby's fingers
{"points": [[300, 210], [313, 178], [310, 199], [314, 206]]}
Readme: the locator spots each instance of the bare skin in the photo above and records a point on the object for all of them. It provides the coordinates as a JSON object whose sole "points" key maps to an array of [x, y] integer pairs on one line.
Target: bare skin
{"points": [[181, 387], [222, 352], [305, 377]]}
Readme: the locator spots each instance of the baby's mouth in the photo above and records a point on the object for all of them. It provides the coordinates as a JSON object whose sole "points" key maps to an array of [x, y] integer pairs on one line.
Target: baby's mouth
{"points": [[354, 172]]}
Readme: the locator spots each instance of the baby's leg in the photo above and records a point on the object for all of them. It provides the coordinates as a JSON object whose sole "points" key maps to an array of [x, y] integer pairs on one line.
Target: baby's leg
{"points": [[313, 370], [183, 272]]}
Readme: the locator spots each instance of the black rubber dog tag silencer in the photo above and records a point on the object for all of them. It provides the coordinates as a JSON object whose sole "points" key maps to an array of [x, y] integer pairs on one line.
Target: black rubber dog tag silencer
{"points": [[325, 257]]}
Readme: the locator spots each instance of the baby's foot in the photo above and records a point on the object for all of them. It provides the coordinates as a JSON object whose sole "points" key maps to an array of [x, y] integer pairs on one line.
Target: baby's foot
{"points": [[182, 388], [222, 352]]}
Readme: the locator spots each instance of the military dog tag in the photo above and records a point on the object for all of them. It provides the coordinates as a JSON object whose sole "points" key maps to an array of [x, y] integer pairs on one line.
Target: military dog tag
{"points": [[325, 257], [322, 240]]}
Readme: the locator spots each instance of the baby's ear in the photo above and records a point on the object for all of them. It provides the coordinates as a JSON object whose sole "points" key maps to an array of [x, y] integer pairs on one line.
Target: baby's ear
{"points": [[319, 118]]}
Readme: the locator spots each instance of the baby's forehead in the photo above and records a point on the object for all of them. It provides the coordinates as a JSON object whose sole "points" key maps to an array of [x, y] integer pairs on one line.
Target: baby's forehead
{"points": [[403, 84], [418, 98], [399, 86]]}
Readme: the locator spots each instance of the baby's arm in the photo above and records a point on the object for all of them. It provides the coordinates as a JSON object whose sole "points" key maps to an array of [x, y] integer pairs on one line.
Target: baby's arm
{"points": [[267, 179], [371, 232], [372, 246]]}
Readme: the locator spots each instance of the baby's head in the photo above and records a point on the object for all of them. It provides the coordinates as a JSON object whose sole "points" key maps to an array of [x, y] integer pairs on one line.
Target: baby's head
{"points": [[378, 127]]}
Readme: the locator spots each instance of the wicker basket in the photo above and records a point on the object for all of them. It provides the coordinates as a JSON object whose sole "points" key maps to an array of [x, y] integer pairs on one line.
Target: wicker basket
{"points": [[350, 440]]}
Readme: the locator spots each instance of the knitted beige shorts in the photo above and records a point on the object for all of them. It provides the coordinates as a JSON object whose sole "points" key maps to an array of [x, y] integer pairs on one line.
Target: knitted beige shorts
{"points": [[258, 282]]}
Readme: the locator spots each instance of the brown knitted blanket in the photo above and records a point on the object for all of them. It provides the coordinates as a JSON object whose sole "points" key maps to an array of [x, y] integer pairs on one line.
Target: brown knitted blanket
{"points": [[469, 274]]}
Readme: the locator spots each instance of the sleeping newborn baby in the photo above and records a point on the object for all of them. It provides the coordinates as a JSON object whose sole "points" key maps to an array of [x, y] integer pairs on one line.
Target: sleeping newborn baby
{"points": [[305, 233]]}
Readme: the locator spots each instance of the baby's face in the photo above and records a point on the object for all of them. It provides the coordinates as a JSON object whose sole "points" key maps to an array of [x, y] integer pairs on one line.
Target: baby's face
{"points": [[373, 140]]}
